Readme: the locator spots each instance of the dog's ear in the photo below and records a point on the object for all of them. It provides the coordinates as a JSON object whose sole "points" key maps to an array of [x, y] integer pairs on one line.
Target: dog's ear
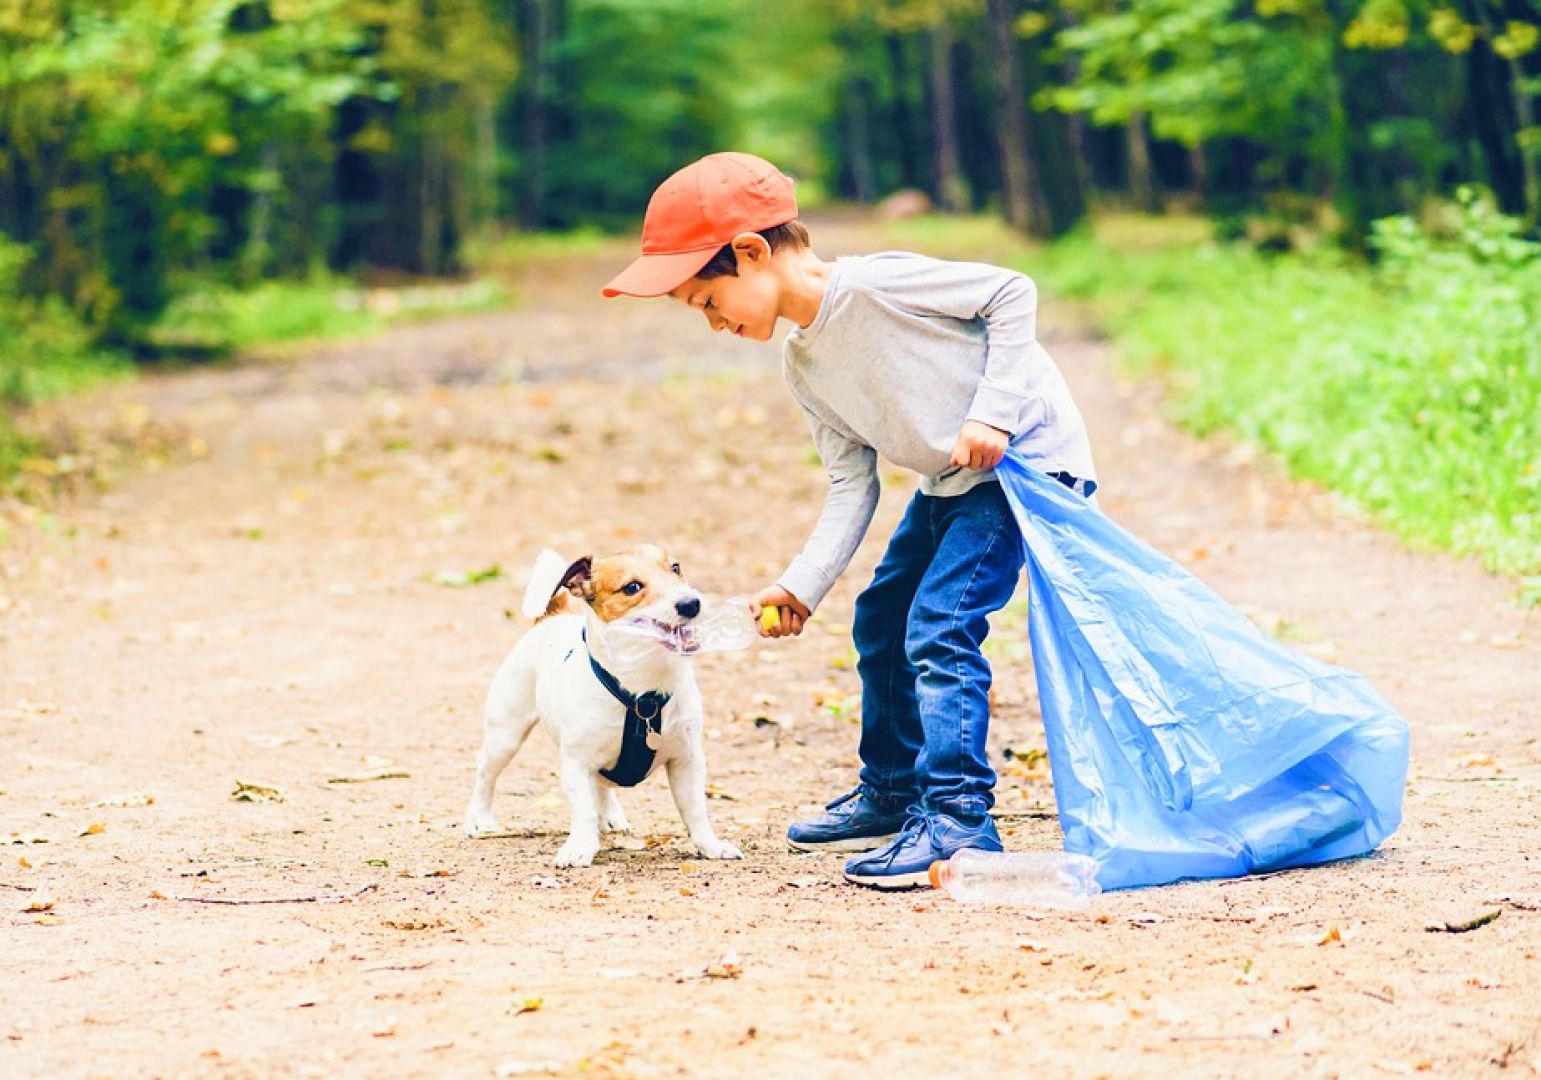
{"points": [[579, 579]]}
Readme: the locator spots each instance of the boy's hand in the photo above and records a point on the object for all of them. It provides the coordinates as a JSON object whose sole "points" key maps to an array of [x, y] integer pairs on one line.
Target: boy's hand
{"points": [[979, 445], [793, 611]]}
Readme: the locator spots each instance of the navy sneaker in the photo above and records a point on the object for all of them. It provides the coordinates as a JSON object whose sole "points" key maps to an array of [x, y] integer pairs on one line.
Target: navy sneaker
{"points": [[859, 820], [929, 836]]}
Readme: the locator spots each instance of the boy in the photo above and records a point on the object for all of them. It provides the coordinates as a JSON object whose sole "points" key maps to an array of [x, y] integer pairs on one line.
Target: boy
{"points": [[934, 366]]}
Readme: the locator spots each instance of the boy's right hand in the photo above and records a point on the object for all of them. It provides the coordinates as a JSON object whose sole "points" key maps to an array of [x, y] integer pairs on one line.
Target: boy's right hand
{"points": [[793, 611]]}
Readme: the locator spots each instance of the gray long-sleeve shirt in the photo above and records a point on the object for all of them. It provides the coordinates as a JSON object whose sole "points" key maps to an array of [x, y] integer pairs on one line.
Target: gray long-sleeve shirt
{"points": [[903, 350]]}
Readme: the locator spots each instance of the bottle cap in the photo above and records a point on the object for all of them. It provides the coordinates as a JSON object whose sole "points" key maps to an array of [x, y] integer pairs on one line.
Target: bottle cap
{"points": [[934, 872]]}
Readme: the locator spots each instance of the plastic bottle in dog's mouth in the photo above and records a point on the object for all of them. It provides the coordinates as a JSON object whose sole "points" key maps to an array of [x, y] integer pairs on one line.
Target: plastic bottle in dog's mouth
{"points": [[725, 626]]}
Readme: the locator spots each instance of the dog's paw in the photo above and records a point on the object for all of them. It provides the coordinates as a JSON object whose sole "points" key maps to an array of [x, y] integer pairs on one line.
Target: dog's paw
{"points": [[616, 823], [719, 849], [575, 854], [480, 824]]}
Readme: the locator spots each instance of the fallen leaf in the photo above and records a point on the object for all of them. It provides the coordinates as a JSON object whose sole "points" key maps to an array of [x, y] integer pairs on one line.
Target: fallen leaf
{"points": [[528, 1005], [23, 863], [1331, 936], [529, 1068], [459, 579], [726, 967], [96, 828], [256, 793], [1031, 946], [127, 801], [47, 920], [42, 901]]}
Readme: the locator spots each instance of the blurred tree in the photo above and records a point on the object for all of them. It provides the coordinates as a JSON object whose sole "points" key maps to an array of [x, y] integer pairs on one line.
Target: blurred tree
{"points": [[119, 122]]}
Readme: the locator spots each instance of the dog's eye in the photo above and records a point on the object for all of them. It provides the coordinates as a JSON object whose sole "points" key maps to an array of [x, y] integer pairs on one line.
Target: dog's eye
{"points": [[676, 569], [632, 588]]}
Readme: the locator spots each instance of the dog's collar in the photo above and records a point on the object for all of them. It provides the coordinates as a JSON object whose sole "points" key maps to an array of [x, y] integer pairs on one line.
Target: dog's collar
{"points": [[644, 723]]}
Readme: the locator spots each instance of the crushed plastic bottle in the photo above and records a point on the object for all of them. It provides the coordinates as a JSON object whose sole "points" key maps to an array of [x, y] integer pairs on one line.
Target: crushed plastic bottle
{"points": [[726, 625], [1046, 879]]}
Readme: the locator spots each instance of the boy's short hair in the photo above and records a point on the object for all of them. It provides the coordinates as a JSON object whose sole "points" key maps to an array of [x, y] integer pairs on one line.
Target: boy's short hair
{"points": [[794, 234]]}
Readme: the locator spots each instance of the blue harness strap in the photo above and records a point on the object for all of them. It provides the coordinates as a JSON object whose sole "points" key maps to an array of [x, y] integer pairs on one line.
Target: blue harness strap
{"points": [[644, 723]]}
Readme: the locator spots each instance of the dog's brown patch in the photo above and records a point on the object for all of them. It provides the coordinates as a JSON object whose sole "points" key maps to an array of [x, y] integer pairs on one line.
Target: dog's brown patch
{"points": [[645, 564], [602, 582]]}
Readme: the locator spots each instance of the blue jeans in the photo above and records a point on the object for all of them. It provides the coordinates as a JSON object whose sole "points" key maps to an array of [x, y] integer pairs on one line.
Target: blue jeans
{"points": [[918, 630]]}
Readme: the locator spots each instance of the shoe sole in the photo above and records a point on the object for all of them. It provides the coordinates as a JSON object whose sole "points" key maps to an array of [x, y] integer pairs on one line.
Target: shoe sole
{"points": [[892, 882], [853, 846]]}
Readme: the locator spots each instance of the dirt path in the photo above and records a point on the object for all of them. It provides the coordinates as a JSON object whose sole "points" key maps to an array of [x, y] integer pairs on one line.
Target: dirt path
{"points": [[267, 613]]}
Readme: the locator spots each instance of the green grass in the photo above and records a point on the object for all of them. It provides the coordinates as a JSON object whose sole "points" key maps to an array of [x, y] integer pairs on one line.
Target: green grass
{"points": [[220, 319], [505, 251], [1414, 388]]}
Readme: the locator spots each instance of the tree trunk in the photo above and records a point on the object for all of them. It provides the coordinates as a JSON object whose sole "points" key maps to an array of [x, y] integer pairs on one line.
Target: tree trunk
{"points": [[1142, 186], [910, 158], [1051, 157], [858, 140], [1022, 196], [1491, 114], [1198, 163], [951, 191], [537, 37]]}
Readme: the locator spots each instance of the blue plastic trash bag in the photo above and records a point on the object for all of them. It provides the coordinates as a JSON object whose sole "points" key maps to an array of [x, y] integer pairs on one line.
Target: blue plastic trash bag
{"points": [[1183, 741]]}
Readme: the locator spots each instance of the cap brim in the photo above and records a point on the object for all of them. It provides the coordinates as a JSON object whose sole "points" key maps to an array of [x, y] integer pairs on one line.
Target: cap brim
{"points": [[655, 275]]}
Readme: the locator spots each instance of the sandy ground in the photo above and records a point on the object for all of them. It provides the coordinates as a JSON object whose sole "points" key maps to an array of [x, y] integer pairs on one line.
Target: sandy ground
{"points": [[265, 607]]}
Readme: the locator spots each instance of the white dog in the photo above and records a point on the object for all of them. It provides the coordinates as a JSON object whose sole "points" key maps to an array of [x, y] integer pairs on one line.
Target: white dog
{"points": [[587, 682]]}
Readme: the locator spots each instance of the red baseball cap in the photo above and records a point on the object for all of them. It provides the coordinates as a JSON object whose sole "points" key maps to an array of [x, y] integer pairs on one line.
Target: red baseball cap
{"points": [[698, 210]]}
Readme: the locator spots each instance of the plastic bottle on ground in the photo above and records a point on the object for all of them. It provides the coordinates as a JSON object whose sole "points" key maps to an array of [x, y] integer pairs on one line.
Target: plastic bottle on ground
{"points": [[1046, 879]]}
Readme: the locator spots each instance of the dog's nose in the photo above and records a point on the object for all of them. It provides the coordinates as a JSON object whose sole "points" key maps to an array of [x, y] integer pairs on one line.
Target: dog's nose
{"points": [[689, 608]]}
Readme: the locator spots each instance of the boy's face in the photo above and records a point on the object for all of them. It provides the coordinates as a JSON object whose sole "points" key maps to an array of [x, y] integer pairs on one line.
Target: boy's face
{"points": [[746, 305]]}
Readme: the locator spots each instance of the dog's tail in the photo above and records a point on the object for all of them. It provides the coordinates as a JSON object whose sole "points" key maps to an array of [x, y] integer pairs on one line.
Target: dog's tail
{"points": [[545, 579]]}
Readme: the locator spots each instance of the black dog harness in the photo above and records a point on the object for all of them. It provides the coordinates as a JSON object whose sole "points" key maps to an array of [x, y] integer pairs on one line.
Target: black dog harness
{"points": [[644, 723]]}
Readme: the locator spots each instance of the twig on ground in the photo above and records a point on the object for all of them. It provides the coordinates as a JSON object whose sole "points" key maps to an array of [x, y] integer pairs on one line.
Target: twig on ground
{"points": [[1463, 927], [275, 899], [365, 777], [21, 888], [1516, 903]]}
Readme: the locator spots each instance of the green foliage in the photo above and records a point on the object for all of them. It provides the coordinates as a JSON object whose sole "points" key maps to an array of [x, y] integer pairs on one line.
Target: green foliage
{"points": [[127, 118], [1414, 388], [44, 349], [1200, 69]]}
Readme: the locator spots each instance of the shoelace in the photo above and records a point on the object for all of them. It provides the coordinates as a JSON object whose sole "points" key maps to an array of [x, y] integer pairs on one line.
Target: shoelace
{"points": [[859, 789], [914, 825]]}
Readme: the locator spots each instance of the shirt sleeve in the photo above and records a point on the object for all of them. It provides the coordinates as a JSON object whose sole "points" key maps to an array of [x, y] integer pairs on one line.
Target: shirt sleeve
{"points": [[848, 509], [1007, 302]]}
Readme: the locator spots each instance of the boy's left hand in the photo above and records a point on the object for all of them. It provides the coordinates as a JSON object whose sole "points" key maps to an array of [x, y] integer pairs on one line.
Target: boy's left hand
{"points": [[979, 445]]}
